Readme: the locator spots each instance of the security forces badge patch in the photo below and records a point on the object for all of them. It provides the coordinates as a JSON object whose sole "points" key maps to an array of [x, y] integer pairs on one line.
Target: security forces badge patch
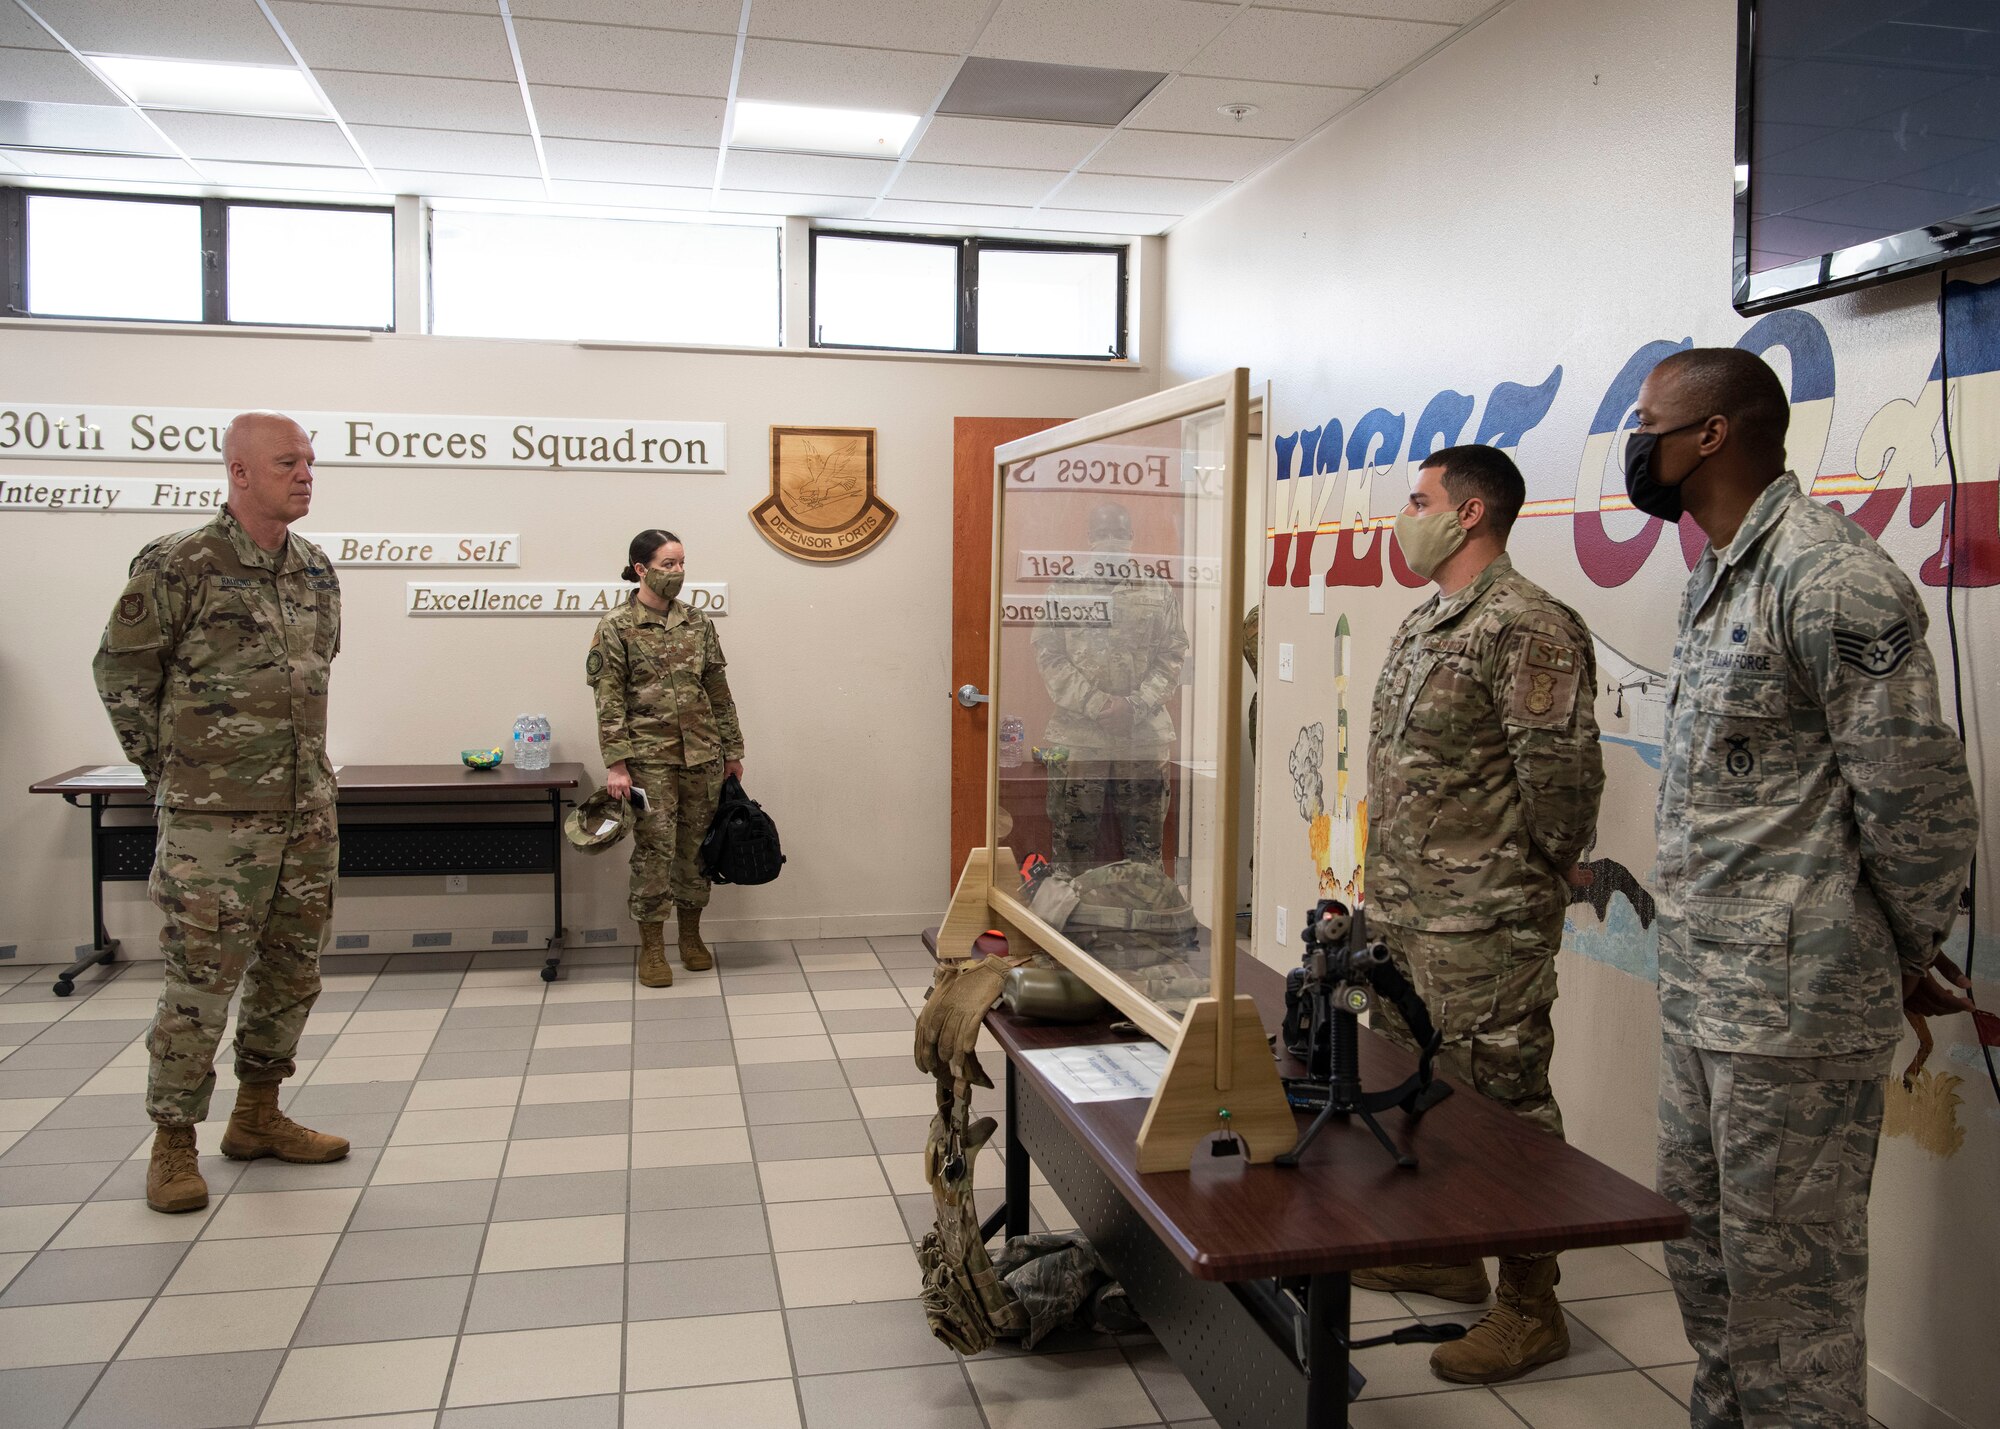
{"points": [[823, 505]]}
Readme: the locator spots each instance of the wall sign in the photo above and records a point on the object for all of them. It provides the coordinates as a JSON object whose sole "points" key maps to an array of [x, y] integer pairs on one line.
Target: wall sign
{"points": [[84, 432], [437, 548], [1119, 566], [1057, 611], [823, 505], [543, 597], [201, 497]]}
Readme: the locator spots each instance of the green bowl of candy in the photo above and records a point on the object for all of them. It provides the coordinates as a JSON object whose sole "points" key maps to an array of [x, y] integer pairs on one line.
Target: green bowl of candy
{"points": [[481, 758]]}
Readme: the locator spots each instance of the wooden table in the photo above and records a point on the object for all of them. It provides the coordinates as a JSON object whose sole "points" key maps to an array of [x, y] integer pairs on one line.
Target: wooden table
{"points": [[1242, 1271], [467, 843]]}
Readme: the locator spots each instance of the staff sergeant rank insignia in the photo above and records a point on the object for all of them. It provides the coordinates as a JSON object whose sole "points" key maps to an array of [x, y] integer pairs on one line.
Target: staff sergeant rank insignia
{"points": [[1877, 656]]}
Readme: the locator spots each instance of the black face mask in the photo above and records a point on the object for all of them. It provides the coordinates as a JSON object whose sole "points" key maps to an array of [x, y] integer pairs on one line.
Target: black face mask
{"points": [[1642, 482]]}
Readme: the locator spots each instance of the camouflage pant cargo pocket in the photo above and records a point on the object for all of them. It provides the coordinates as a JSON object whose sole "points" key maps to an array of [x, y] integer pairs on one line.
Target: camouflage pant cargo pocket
{"points": [[666, 839]]}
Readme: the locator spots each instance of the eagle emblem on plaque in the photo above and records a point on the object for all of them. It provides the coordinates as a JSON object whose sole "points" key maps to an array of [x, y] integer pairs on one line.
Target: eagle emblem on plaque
{"points": [[823, 505]]}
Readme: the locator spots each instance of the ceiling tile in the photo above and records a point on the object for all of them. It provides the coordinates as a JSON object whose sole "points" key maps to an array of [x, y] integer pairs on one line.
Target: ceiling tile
{"points": [[792, 205], [265, 141], [50, 77], [444, 151], [806, 173], [617, 114], [120, 168], [1007, 142], [1135, 195], [1450, 12], [1303, 48], [1192, 104], [185, 30], [17, 30], [1109, 225], [628, 195], [487, 186], [422, 42], [956, 183], [953, 215], [782, 72], [716, 17], [492, 106], [600, 161], [1183, 156], [619, 57], [298, 178], [1116, 34], [78, 126], [941, 26]]}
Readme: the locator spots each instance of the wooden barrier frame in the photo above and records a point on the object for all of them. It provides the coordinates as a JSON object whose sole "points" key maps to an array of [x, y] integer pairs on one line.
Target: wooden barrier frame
{"points": [[1220, 1062]]}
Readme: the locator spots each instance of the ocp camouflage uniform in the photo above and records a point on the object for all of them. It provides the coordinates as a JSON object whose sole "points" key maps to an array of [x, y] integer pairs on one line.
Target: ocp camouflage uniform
{"points": [[1484, 775], [1815, 824], [1112, 767], [664, 707], [214, 670]]}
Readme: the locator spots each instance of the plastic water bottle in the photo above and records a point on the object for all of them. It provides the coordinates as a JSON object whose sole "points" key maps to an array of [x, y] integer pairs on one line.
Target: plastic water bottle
{"points": [[1013, 742], [524, 733], [544, 735]]}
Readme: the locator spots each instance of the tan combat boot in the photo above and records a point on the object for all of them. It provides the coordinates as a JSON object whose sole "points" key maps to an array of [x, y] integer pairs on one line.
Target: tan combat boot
{"points": [[1524, 1330], [257, 1128], [1466, 1284], [695, 956], [654, 969], [173, 1178]]}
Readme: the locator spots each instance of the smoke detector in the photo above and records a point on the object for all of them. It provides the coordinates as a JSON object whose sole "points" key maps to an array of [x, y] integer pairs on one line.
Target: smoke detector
{"points": [[1238, 112]]}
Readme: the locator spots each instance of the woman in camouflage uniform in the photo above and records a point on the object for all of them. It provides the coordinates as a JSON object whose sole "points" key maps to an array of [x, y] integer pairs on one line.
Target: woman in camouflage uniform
{"points": [[666, 724]]}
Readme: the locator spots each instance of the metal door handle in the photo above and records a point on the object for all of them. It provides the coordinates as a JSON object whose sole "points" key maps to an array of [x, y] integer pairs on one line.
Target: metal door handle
{"points": [[969, 696]]}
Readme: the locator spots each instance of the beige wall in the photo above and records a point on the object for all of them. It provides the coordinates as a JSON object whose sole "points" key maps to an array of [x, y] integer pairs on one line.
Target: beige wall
{"points": [[1552, 192], [840, 671]]}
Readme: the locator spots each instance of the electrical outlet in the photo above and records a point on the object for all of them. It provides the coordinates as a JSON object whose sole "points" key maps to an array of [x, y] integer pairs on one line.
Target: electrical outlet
{"points": [[456, 883], [1284, 926], [1284, 659]]}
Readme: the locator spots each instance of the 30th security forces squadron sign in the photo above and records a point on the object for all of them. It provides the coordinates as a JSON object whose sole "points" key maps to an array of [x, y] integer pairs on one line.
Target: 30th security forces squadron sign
{"points": [[823, 505]]}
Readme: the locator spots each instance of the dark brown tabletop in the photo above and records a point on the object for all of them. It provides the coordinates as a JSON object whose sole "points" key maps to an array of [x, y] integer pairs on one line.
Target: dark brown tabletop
{"points": [[1487, 1182], [373, 778]]}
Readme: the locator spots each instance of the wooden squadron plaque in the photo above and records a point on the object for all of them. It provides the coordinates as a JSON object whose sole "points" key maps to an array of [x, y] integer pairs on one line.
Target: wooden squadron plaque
{"points": [[823, 505]]}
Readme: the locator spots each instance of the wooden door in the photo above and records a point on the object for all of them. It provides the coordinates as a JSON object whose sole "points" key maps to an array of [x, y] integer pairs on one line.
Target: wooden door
{"points": [[973, 443]]}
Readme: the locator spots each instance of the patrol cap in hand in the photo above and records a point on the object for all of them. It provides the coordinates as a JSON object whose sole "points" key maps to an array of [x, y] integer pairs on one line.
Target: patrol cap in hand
{"points": [[598, 822]]}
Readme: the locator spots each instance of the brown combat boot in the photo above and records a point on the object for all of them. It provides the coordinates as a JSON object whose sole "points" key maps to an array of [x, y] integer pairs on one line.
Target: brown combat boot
{"points": [[1466, 1284], [173, 1178], [654, 969], [257, 1128], [695, 956], [1524, 1330]]}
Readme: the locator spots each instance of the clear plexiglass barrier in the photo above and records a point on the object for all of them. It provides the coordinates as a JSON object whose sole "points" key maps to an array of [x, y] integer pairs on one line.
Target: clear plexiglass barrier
{"points": [[1113, 576]]}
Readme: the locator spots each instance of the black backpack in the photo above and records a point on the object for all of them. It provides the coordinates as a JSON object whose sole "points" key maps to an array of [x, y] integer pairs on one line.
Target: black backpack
{"points": [[741, 845]]}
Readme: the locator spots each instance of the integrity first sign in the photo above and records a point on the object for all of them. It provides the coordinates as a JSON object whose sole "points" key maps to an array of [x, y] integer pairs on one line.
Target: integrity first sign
{"points": [[63, 431]]}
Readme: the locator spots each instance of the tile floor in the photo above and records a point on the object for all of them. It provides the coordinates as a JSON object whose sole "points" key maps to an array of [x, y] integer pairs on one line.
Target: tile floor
{"points": [[592, 1204]]}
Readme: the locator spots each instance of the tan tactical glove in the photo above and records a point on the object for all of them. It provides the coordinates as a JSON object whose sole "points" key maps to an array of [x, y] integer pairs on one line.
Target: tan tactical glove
{"points": [[948, 1027]]}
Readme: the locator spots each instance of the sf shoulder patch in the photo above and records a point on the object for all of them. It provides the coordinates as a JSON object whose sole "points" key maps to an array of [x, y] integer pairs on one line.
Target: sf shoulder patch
{"points": [[1545, 685], [1877, 655], [593, 663]]}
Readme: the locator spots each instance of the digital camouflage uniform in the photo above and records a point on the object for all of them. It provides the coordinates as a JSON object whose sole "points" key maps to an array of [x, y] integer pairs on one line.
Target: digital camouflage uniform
{"points": [[663, 706], [1113, 767], [214, 670], [1484, 775], [1815, 823]]}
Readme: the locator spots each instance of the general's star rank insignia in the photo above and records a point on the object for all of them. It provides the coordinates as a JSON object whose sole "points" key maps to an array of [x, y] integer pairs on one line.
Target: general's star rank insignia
{"points": [[1877, 656]]}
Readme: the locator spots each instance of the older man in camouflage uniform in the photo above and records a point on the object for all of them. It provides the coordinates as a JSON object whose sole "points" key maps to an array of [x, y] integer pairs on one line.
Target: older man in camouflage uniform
{"points": [[1111, 736], [1815, 823], [667, 723], [1484, 780], [214, 670]]}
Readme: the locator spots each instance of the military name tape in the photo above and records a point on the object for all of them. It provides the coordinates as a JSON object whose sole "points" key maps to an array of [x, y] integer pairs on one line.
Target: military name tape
{"points": [[433, 548], [85, 432], [544, 597], [1070, 611], [110, 493], [1119, 566]]}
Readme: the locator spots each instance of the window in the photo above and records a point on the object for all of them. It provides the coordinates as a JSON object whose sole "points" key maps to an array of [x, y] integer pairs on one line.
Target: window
{"points": [[992, 296], [633, 280], [192, 260]]}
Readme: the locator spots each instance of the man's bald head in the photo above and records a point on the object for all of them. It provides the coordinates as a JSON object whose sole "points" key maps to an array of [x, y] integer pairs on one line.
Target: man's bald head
{"points": [[269, 458], [1728, 382]]}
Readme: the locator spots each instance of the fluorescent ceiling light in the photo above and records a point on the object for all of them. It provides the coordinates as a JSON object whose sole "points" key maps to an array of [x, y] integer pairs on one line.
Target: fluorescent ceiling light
{"points": [[807, 129], [212, 88]]}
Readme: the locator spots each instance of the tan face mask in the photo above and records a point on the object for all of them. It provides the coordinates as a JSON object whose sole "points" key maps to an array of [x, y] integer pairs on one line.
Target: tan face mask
{"points": [[1429, 540], [665, 584]]}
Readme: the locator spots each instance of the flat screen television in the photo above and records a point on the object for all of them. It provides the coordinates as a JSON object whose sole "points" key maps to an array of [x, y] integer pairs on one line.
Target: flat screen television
{"points": [[1867, 143]]}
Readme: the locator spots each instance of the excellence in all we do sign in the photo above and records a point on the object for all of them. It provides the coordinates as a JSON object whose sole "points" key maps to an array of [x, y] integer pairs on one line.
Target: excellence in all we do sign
{"points": [[544, 597]]}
